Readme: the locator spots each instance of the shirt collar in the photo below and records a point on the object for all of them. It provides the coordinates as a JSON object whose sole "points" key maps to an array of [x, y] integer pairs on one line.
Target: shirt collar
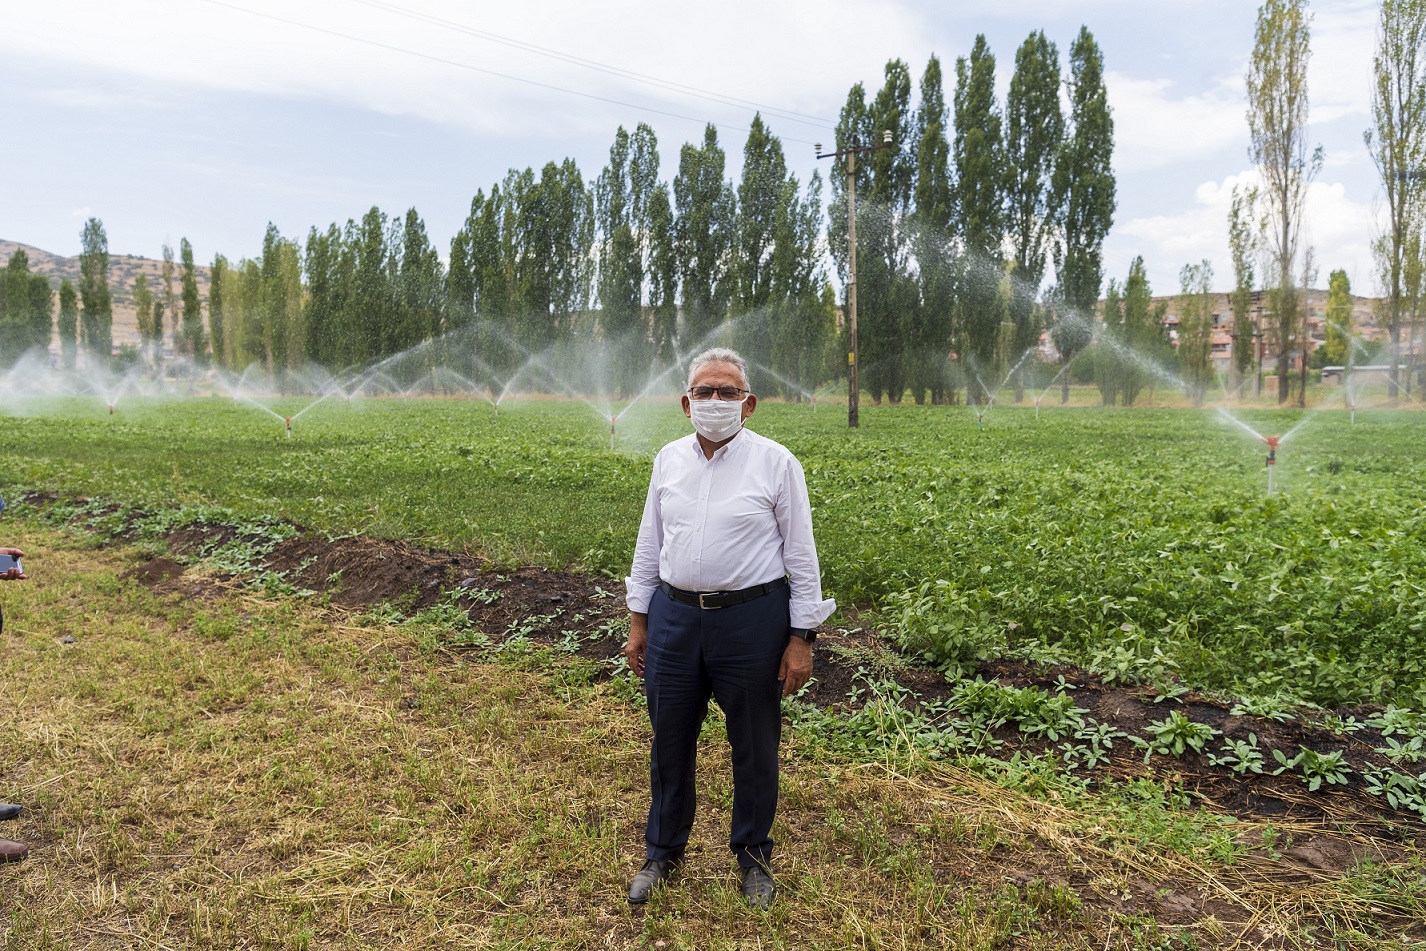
{"points": [[733, 447]]}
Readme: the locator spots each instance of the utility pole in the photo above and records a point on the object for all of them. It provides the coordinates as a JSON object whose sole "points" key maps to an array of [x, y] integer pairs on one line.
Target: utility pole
{"points": [[851, 152]]}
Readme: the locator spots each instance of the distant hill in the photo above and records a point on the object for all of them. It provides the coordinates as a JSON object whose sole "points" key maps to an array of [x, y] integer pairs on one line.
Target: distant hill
{"points": [[123, 269]]}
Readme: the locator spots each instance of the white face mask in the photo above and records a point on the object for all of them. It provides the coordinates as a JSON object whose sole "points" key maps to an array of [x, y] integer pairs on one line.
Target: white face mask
{"points": [[716, 420]]}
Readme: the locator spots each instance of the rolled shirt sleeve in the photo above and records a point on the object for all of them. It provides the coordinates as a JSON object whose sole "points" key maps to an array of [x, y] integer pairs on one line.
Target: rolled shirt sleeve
{"points": [[799, 550]]}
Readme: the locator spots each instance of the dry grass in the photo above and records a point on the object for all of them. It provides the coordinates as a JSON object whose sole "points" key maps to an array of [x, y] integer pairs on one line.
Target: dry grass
{"points": [[240, 772]]}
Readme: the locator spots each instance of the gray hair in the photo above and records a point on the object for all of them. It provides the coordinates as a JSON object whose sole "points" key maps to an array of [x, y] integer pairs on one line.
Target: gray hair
{"points": [[718, 355]]}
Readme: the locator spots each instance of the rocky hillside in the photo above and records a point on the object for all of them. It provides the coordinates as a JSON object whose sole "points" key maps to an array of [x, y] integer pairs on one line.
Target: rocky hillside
{"points": [[123, 270]]}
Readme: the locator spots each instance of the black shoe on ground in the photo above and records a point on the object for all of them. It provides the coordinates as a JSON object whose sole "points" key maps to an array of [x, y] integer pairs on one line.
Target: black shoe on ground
{"points": [[9, 810], [654, 873], [758, 887]]}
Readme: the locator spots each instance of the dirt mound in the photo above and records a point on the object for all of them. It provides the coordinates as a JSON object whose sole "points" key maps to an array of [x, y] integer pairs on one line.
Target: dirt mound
{"points": [[587, 616]]}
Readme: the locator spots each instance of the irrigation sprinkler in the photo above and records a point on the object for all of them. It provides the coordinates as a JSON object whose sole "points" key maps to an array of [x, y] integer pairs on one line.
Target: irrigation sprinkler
{"points": [[612, 421], [1272, 442], [288, 421], [111, 409]]}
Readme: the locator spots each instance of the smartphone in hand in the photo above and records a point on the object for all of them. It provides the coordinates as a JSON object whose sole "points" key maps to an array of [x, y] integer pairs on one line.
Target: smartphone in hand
{"points": [[10, 561]]}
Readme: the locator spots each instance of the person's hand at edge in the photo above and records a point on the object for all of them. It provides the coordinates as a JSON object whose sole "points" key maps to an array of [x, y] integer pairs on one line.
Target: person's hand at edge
{"points": [[13, 574], [638, 642], [796, 667]]}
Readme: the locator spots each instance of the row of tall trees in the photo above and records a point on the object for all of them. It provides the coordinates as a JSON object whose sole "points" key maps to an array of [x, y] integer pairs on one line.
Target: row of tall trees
{"points": [[960, 223], [956, 229], [646, 269]]}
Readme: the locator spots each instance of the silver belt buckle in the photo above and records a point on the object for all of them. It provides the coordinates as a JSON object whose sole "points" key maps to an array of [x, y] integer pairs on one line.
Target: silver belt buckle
{"points": [[707, 607]]}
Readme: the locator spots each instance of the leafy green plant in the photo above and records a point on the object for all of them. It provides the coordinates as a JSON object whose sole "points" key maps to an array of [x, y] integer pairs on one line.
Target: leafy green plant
{"points": [[1175, 735], [1401, 790], [943, 624], [1132, 659], [1276, 707], [1411, 751], [1315, 768], [1090, 745], [1241, 756]]}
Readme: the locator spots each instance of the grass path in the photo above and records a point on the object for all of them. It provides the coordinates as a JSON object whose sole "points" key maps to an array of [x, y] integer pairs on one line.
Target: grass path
{"points": [[233, 771]]}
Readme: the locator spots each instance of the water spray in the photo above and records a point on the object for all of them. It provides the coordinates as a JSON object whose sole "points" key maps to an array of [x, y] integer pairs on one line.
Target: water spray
{"points": [[1272, 442]]}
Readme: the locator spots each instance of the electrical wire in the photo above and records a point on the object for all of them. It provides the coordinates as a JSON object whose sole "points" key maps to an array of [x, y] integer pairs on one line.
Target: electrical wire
{"points": [[818, 121], [479, 69]]}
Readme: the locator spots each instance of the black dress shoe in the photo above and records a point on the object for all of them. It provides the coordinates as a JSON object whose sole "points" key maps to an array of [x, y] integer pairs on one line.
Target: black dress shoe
{"points": [[758, 887], [654, 873], [9, 810]]}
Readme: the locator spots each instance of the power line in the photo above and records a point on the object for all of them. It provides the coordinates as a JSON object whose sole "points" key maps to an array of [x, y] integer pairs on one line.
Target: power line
{"points": [[478, 69], [791, 115]]}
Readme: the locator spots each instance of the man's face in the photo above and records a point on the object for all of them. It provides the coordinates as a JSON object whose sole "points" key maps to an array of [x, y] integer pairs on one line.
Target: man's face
{"points": [[721, 374]]}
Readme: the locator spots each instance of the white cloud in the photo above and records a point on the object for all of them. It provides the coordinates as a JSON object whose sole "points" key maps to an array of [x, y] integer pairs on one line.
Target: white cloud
{"points": [[1339, 73], [1156, 126], [256, 46], [1338, 228]]}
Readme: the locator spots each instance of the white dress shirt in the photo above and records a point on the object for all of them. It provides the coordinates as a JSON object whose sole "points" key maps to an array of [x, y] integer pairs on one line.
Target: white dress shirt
{"points": [[739, 519]]}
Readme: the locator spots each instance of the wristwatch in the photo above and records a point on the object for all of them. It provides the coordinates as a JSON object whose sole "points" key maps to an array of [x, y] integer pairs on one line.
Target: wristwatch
{"points": [[809, 636]]}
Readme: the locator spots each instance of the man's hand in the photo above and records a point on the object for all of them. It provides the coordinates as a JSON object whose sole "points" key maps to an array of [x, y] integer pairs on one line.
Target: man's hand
{"points": [[796, 666], [638, 641], [12, 574]]}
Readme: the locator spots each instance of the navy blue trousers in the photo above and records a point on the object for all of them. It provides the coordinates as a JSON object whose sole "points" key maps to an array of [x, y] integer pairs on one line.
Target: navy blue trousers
{"points": [[732, 655]]}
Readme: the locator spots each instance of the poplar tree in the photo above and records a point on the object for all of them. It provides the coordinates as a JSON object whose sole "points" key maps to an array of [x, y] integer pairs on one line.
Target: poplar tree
{"points": [[1397, 143], [930, 338], [759, 193], [1034, 139], [324, 302], [67, 324], [1337, 350], [144, 315], [663, 276], [217, 316], [420, 289], [624, 196], [1277, 122], [1143, 331], [1195, 328], [371, 296], [704, 206], [96, 309], [979, 159], [567, 244], [1084, 194], [26, 309], [1243, 248], [193, 341], [170, 299], [854, 124], [888, 298]]}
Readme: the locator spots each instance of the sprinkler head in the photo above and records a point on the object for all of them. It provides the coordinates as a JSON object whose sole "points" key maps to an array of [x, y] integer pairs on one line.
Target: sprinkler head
{"points": [[288, 421], [1272, 442]]}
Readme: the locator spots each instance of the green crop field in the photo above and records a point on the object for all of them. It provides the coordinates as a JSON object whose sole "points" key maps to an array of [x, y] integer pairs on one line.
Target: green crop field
{"points": [[1140, 541]]}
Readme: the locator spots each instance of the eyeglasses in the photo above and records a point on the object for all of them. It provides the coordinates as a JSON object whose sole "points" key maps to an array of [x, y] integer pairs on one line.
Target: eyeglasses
{"points": [[729, 393]]}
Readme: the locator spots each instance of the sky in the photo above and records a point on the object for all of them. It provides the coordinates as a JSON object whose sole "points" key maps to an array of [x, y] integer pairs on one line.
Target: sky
{"points": [[208, 119]]}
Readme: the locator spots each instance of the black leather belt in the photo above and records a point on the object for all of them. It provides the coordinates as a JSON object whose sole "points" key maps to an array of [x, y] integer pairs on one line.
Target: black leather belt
{"points": [[712, 600]]}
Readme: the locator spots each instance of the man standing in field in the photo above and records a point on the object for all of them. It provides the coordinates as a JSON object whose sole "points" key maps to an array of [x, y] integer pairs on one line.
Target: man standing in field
{"points": [[724, 598]]}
